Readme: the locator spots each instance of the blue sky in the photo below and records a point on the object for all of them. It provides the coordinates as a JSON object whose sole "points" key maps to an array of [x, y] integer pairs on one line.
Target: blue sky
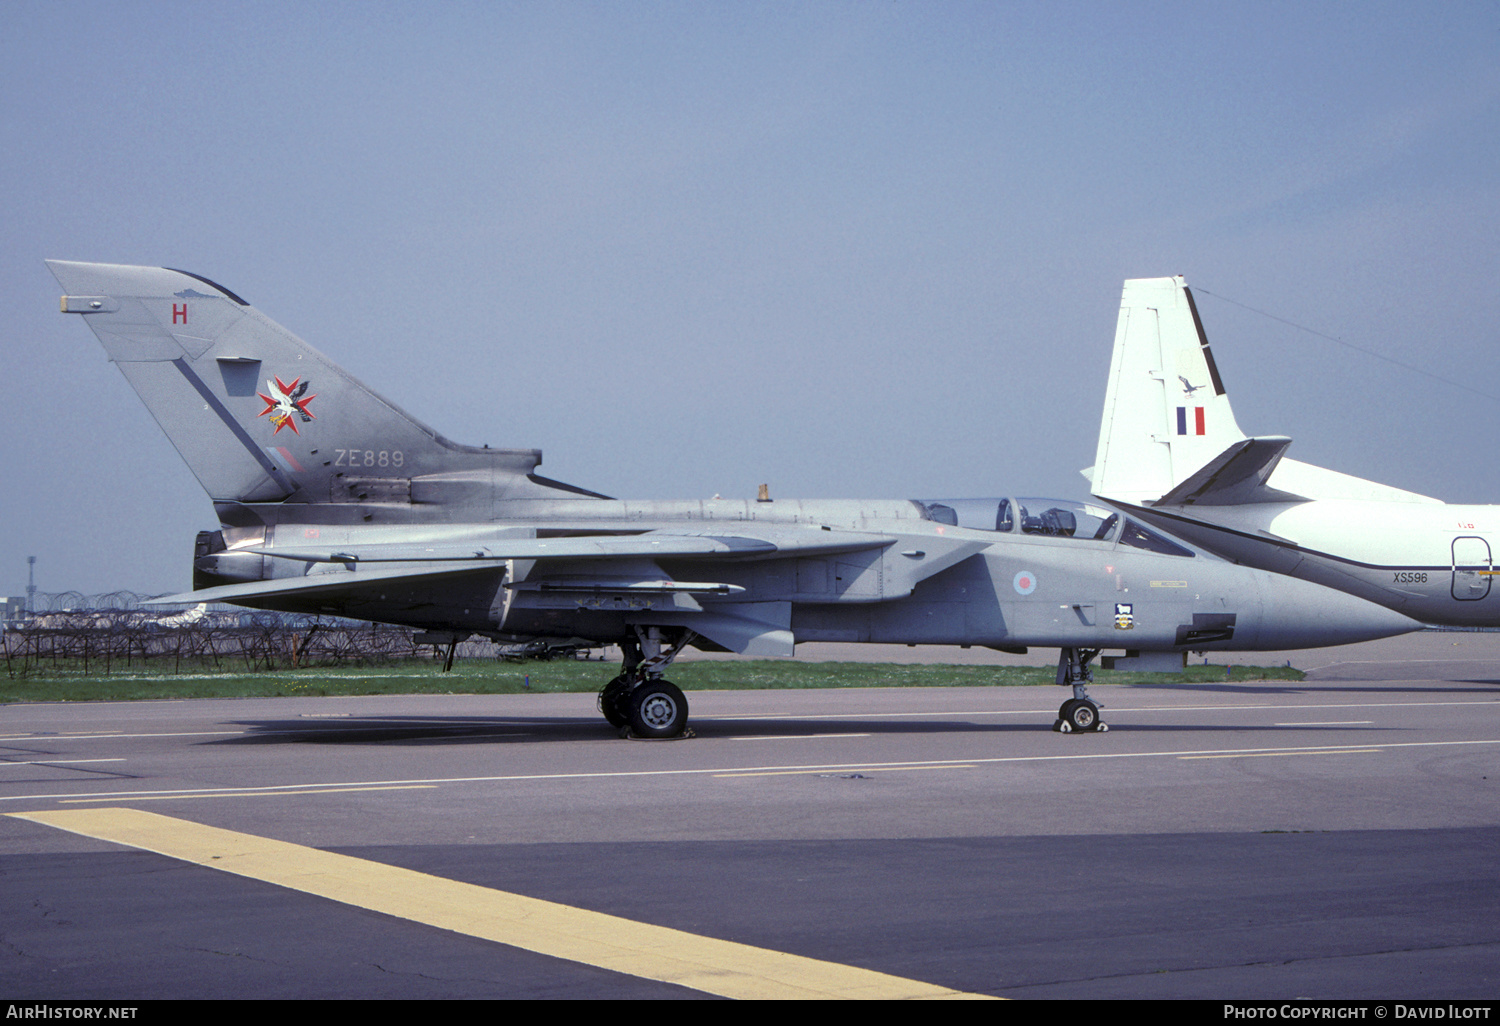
{"points": [[849, 249]]}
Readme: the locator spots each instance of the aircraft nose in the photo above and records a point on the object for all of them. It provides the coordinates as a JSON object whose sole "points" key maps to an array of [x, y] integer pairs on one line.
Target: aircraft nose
{"points": [[1299, 614]]}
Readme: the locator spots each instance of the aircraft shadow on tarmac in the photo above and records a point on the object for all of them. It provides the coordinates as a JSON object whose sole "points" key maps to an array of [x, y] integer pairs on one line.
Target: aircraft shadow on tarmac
{"points": [[1330, 687], [464, 730], [429, 730]]}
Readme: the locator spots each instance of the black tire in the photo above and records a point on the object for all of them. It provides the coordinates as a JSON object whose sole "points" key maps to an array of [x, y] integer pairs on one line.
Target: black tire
{"points": [[1081, 715], [658, 709], [1064, 709], [614, 701]]}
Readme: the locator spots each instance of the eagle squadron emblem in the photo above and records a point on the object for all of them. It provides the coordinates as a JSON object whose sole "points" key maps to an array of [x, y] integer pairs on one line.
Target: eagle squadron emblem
{"points": [[285, 404]]}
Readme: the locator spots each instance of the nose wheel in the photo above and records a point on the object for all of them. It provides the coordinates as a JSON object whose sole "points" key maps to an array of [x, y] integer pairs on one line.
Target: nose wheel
{"points": [[1079, 714]]}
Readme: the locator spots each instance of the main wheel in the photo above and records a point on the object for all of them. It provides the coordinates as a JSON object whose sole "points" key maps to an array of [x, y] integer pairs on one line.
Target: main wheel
{"points": [[1081, 714], [614, 701], [658, 709]]}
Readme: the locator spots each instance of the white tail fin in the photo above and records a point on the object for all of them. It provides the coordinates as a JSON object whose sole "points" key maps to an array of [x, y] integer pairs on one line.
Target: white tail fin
{"points": [[1166, 414], [1169, 437]]}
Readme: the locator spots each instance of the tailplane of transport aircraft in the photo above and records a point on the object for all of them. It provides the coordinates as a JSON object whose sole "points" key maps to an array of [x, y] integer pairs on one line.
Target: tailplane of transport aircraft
{"points": [[1172, 455], [331, 500]]}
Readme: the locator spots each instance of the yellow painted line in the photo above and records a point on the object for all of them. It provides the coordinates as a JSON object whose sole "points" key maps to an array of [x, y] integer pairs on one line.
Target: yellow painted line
{"points": [[792, 737], [90, 736], [1265, 755], [706, 964], [56, 762], [1114, 709], [250, 794], [844, 772], [834, 767], [259, 734], [1328, 723]]}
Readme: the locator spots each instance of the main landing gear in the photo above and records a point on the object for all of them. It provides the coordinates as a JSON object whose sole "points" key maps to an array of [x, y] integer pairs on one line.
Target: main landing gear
{"points": [[1079, 713], [640, 701]]}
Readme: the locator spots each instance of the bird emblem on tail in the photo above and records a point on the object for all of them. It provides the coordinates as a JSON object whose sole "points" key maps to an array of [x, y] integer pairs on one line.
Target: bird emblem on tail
{"points": [[286, 405]]}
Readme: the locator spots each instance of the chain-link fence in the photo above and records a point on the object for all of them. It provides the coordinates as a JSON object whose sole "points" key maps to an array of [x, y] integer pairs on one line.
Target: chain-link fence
{"points": [[102, 634], [103, 641]]}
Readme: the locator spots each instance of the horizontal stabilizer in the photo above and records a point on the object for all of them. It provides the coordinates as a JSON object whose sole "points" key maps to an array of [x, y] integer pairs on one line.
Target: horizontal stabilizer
{"points": [[1237, 475]]}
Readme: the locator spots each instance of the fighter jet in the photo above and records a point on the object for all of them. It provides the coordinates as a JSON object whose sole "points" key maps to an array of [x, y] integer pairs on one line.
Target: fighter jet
{"points": [[362, 511], [1180, 462]]}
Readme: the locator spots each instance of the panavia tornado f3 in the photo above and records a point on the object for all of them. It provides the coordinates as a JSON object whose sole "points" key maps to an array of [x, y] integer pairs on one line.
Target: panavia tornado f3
{"points": [[331, 500]]}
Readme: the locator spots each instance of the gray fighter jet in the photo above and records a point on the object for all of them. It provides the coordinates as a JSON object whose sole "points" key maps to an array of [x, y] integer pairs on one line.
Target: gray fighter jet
{"points": [[332, 500]]}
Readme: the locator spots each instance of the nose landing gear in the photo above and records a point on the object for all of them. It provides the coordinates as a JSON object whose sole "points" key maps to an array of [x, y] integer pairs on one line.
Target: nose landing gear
{"points": [[1079, 714]]}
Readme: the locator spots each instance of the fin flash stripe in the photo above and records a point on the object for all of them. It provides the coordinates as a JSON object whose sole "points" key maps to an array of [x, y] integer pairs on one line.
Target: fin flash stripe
{"points": [[1199, 421]]}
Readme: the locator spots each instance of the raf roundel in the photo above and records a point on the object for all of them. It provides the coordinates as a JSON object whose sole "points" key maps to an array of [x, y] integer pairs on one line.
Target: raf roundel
{"points": [[1025, 582]]}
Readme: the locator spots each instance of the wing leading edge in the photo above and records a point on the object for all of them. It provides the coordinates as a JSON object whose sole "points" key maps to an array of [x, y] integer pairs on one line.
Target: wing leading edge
{"points": [[651, 544]]}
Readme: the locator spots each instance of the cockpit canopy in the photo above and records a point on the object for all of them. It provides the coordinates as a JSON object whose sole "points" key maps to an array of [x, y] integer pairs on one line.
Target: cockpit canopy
{"points": [[1053, 518]]}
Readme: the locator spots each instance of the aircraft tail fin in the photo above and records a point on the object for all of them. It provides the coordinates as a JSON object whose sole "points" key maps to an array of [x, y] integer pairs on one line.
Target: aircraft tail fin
{"points": [[1168, 435], [1166, 413], [258, 414]]}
